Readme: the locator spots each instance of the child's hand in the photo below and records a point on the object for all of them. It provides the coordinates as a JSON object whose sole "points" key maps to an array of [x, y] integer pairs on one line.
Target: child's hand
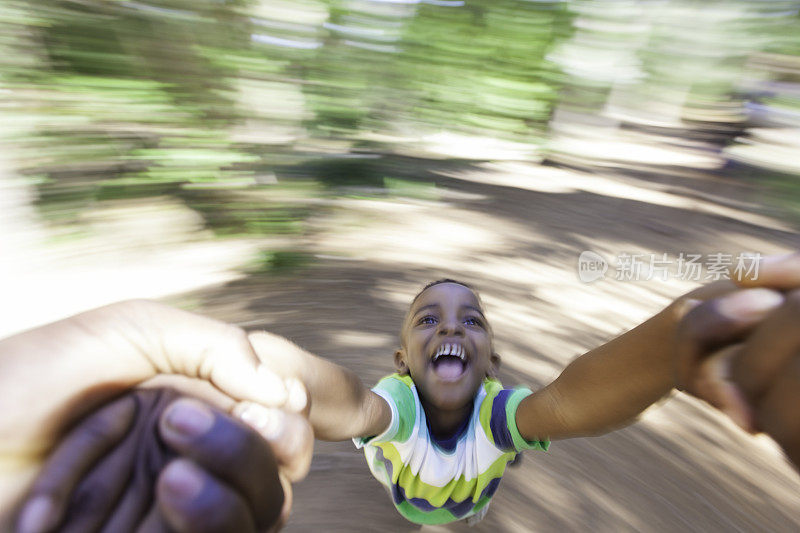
{"points": [[286, 360], [147, 461], [741, 353]]}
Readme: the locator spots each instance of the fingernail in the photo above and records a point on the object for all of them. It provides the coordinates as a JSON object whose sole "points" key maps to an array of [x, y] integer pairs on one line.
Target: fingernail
{"points": [[36, 515], [272, 386], [182, 480], [297, 395], [189, 418], [749, 303], [268, 422]]}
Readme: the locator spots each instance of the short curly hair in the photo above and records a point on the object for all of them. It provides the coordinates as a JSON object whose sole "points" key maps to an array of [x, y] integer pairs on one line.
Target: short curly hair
{"points": [[439, 282]]}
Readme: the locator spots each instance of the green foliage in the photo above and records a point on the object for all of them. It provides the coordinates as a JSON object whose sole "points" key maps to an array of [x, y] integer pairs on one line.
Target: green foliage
{"points": [[338, 171], [278, 262], [146, 98], [410, 189], [193, 99]]}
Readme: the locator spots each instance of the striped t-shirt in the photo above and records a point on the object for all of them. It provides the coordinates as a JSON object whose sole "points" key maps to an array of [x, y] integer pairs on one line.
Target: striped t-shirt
{"points": [[439, 482]]}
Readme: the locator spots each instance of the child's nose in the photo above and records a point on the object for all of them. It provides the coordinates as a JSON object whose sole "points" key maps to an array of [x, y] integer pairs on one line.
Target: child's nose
{"points": [[451, 327]]}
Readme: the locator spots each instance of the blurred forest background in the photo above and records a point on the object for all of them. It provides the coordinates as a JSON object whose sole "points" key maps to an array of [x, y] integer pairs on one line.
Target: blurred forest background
{"points": [[244, 109]]}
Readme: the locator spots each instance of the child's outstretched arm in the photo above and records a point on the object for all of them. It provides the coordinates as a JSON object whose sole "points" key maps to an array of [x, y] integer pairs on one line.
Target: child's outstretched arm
{"points": [[609, 386], [341, 407], [606, 387]]}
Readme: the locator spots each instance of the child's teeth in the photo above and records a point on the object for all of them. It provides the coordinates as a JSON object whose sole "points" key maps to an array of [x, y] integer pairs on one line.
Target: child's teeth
{"points": [[455, 350]]}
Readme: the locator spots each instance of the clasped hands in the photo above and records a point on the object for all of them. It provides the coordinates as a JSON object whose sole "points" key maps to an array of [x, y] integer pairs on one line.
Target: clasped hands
{"points": [[217, 453]]}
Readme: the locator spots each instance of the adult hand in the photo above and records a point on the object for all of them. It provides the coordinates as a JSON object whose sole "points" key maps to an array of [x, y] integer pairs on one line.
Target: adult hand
{"points": [[149, 462], [741, 353], [53, 375]]}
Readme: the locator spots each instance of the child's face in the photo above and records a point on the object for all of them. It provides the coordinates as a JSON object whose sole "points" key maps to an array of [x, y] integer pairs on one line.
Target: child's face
{"points": [[447, 345]]}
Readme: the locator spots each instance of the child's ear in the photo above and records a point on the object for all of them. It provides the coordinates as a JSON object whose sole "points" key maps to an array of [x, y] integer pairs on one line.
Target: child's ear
{"points": [[400, 362], [494, 365]]}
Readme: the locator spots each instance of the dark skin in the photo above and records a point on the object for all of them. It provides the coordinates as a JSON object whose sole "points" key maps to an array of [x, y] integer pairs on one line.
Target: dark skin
{"points": [[748, 363], [124, 468]]}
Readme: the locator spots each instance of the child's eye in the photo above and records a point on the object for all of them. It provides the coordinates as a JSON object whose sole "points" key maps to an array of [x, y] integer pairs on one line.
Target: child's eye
{"points": [[472, 321], [427, 319]]}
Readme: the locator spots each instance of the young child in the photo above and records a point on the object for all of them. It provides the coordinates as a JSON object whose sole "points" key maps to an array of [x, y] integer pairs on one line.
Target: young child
{"points": [[452, 427], [440, 431]]}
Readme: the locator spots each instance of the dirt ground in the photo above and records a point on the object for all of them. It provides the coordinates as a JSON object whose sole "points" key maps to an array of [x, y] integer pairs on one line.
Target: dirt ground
{"points": [[515, 231]]}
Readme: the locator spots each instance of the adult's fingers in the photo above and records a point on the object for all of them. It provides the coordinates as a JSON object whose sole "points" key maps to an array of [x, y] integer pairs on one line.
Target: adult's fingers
{"points": [[153, 522], [777, 411], [191, 500], [97, 496], [221, 502], [716, 323], [289, 434], [780, 272], [130, 508], [147, 456], [713, 384], [230, 451], [769, 349], [141, 455], [79, 451]]}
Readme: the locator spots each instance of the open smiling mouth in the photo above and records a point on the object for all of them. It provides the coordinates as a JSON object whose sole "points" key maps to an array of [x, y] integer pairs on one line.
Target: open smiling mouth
{"points": [[450, 361]]}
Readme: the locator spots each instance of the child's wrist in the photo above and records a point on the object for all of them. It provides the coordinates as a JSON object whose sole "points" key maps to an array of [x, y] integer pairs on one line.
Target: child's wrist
{"points": [[664, 334]]}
